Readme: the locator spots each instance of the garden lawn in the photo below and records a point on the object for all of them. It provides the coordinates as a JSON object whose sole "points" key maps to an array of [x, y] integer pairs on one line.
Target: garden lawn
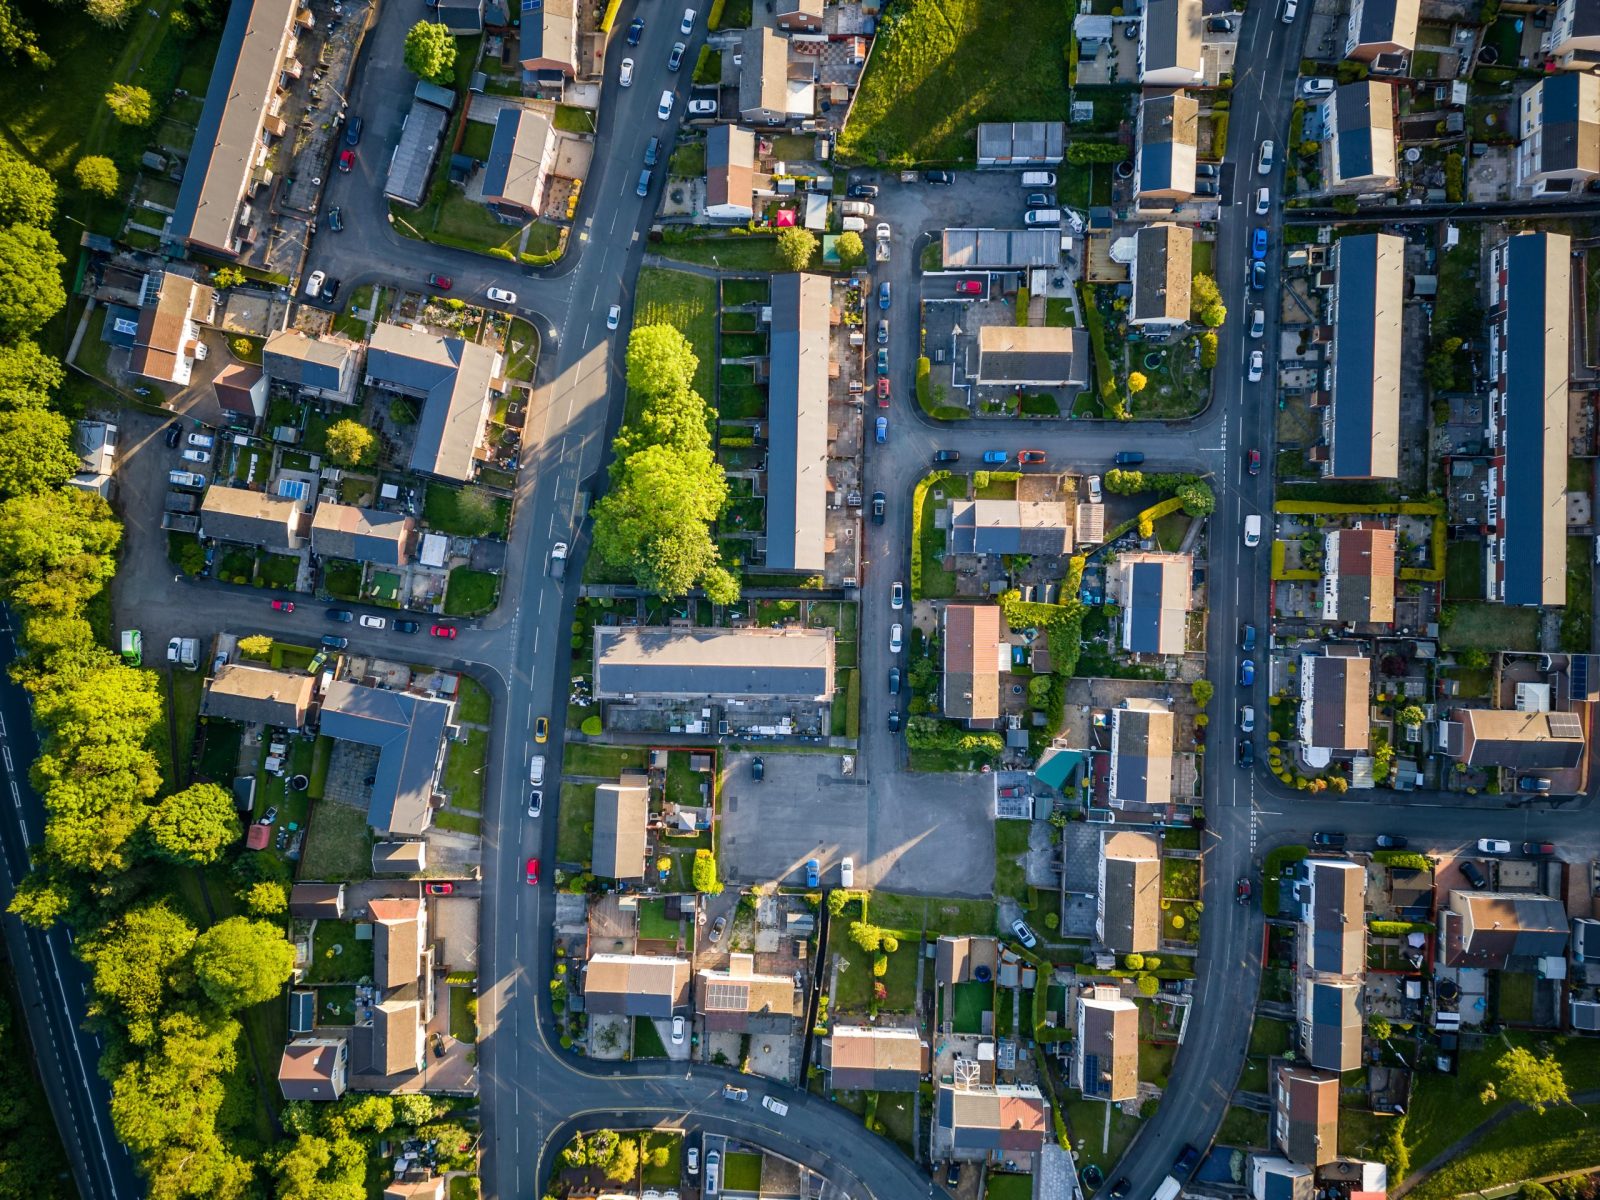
{"points": [[338, 843], [668, 1176], [1180, 878], [575, 833], [463, 770], [472, 701], [463, 1014], [936, 581], [939, 67], [1243, 1127], [1155, 1061], [1526, 1146], [471, 592], [1009, 1187], [647, 1040], [337, 955], [653, 922], [604, 761], [908, 914], [1010, 843], [741, 1173], [1463, 571], [465, 512], [1491, 627], [970, 1001], [1086, 1122], [1516, 998], [1269, 1036], [689, 304], [901, 979]]}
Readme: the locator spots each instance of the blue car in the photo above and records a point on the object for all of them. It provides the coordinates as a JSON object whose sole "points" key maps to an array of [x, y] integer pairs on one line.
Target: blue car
{"points": [[635, 31], [1247, 673], [1258, 245], [994, 456], [883, 294], [1258, 275], [813, 872], [881, 430], [883, 362]]}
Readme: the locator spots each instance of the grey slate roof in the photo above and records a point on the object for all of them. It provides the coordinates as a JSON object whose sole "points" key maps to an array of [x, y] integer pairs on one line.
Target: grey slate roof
{"points": [[516, 156], [362, 534], [1040, 356], [1009, 527], [1142, 753], [1366, 356], [452, 377], [620, 812], [408, 731], [1172, 35], [293, 358], [763, 72], [1039, 143], [1169, 129], [1569, 138], [797, 407], [1364, 119], [745, 662], [1335, 1026], [412, 161], [1386, 21]]}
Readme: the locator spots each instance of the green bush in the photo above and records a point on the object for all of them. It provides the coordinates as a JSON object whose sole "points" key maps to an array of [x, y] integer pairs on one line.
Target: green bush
{"points": [[591, 726]]}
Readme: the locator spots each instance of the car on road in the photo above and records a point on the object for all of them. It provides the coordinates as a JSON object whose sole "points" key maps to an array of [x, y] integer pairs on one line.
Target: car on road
{"points": [[644, 182], [614, 315], [664, 109], [1247, 673], [1258, 323], [1258, 243], [677, 1031], [894, 681], [441, 283], [343, 615], [1247, 638], [758, 769], [702, 108], [1474, 876], [347, 161], [535, 803], [995, 456], [201, 441], [352, 131], [883, 233], [717, 927], [1030, 458], [813, 872], [777, 1107], [1247, 719], [1258, 276], [541, 729], [1266, 157], [314, 284], [1242, 890], [879, 503], [652, 152], [897, 595], [443, 631], [501, 296], [1128, 458], [883, 331], [1528, 783], [533, 871], [885, 294], [1493, 846], [283, 606], [536, 770], [625, 75], [946, 456], [880, 430], [1252, 462], [174, 435], [440, 889], [691, 1158], [1245, 753], [1188, 1159], [1290, 7], [406, 626], [883, 391], [847, 872], [196, 456], [686, 26], [1312, 89], [368, 621], [969, 287], [1024, 935], [1119, 1189], [894, 720], [1263, 201], [941, 178], [1258, 364], [336, 220], [883, 362], [1391, 841], [635, 31], [1538, 849], [1095, 493], [1252, 530], [675, 59], [1328, 840], [863, 191], [896, 638]]}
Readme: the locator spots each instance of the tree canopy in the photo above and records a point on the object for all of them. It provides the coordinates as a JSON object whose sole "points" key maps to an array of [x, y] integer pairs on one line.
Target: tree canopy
{"points": [[849, 248], [27, 375], [97, 174], [27, 192], [130, 105], [140, 963], [240, 962], [31, 266], [193, 827], [430, 52], [796, 246], [1536, 1080], [350, 444], [36, 452]]}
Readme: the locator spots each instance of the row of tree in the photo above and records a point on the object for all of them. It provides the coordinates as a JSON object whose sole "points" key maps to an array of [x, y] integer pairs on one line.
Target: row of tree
{"points": [[667, 486]]}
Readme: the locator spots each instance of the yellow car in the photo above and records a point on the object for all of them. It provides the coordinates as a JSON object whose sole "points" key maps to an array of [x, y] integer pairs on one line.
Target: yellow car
{"points": [[541, 730]]}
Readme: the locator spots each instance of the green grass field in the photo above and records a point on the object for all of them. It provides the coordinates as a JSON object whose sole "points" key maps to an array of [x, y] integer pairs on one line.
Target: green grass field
{"points": [[1010, 844], [604, 762], [575, 835], [1491, 627], [909, 913], [471, 592], [939, 67], [463, 770], [741, 1173], [689, 304]]}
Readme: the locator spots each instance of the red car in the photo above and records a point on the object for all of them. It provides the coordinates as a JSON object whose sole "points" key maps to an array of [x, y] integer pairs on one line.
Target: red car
{"points": [[440, 889], [444, 631], [283, 605], [883, 392], [533, 871], [441, 283], [347, 161], [1030, 458], [1254, 462], [969, 287]]}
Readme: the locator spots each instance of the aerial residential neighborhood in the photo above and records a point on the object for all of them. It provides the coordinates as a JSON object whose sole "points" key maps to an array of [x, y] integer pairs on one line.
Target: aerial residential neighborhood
{"points": [[813, 600]]}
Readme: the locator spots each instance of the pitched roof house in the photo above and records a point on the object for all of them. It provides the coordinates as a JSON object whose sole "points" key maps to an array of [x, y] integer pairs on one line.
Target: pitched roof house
{"points": [[322, 368], [251, 519], [316, 901], [1558, 128], [96, 445], [314, 1069], [975, 655], [1105, 1054], [635, 985], [768, 92], [736, 999], [1359, 137], [1128, 900], [397, 1039], [399, 939], [1163, 272], [1273, 1177], [640, 663], [1331, 895], [1166, 149], [1519, 741], [1142, 737], [385, 539], [1021, 143], [621, 810], [1573, 42], [167, 340], [1006, 1122], [799, 16], [797, 424], [453, 379], [1330, 1023], [1334, 695], [1032, 356], [1169, 43], [1489, 929], [1362, 422], [1358, 571], [521, 157], [463, 18], [871, 1059], [1378, 27], [409, 731], [1153, 590], [731, 176], [258, 696], [241, 388], [1305, 1113], [548, 41], [1010, 527], [957, 956]]}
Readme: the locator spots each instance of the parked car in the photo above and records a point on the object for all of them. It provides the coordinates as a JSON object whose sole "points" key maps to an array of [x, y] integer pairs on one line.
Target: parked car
{"points": [[1252, 462], [1266, 158], [501, 296], [1258, 364], [541, 729], [533, 871], [284, 606], [897, 595], [883, 361], [1247, 673], [1474, 876], [717, 927], [880, 430], [1290, 7], [686, 26], [614, 313], [1247, 638], [196, 456], [330, 291], [347, 161], [664, 109], [443, 631], [675, 59], [702, 108], [635, 31], [1313, 89], [677, 1031], [1528, 783], [1188, 1159], [879, 502], [1030, 458], [941, 178], [883, 332], [336, 220], [863, 191], [174, 435], [894, 681], [813, 873], [1024, 935], [1120, 1188], [995, 456], [406, 626], [1391, 841], [758, 769], [894, 720], [352, 131], [330, 642], [368, 621], [1329, 840], [342, 615], [896, 638], [847, 872], [1258, 323], [946, 456], [1040, 200], [1538, 849], [884, 295], [1129, 458], [440, 889], [691, 1158], [1096, 495], [643, 189], [776, 1107], [969, 287], [625, 74], [1258, 243], [1245, 753], [1247, 719], [442, 283], [314, 284], [535, 803], [1263, 201], [1258, 276], [1493, 846]]}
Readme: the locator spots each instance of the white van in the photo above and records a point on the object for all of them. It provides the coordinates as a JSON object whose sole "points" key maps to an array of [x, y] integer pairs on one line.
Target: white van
{"points": [[1042, 216], [536, 770], [1032, 179], [1252, 530], [847, 873], [854, 225]]}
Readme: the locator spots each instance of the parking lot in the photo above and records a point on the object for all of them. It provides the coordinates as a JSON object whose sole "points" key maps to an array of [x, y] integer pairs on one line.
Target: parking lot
{"points": [[921, 833]]}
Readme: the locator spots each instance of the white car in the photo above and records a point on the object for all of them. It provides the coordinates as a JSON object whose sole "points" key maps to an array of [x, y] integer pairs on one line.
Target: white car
{"points": [[777, 1107], [1290, 7], [368, 621], [847, 873], [677, 1031], [613, 316], [1493, 846], [1311, 89], [1247, 719], [1257, 363], [625, 78], [1263, 201], [535, 803], [1268, 153], [686, 26], [691, 1158], [1258, 323], [501, 296], [536, 770], [897, 596], [314, 284], [664, 109], [201, 441], [896, 638], [196, 456], [884, 231], [702, 108], [1095, 494]]}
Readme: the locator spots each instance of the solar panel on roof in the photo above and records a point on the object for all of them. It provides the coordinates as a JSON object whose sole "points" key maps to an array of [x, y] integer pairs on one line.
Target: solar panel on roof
{"points": [[1580, 675], [727, 997], [292, 489], [1565, 724]]}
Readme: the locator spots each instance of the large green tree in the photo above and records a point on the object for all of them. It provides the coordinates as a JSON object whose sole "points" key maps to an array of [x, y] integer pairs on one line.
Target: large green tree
{"points": [[240, 962], [36, 452], [57, 548], [31, 266], [141, 963], [430, 52], [350, 444], [27, 193], [130, 104], [796, 246], [656, 518], [849, 249], [660, 360], [319, 1168], [193, 827], [97, 174], [27, 375], [1536, 1080]]}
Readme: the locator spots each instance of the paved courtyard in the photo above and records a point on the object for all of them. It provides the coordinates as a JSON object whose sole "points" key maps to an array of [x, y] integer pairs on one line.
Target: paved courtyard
{"points": [[920, 833]]}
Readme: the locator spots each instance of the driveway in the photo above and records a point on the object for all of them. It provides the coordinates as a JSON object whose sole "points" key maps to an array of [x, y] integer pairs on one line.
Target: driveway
{"points": [[917, 833]]}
